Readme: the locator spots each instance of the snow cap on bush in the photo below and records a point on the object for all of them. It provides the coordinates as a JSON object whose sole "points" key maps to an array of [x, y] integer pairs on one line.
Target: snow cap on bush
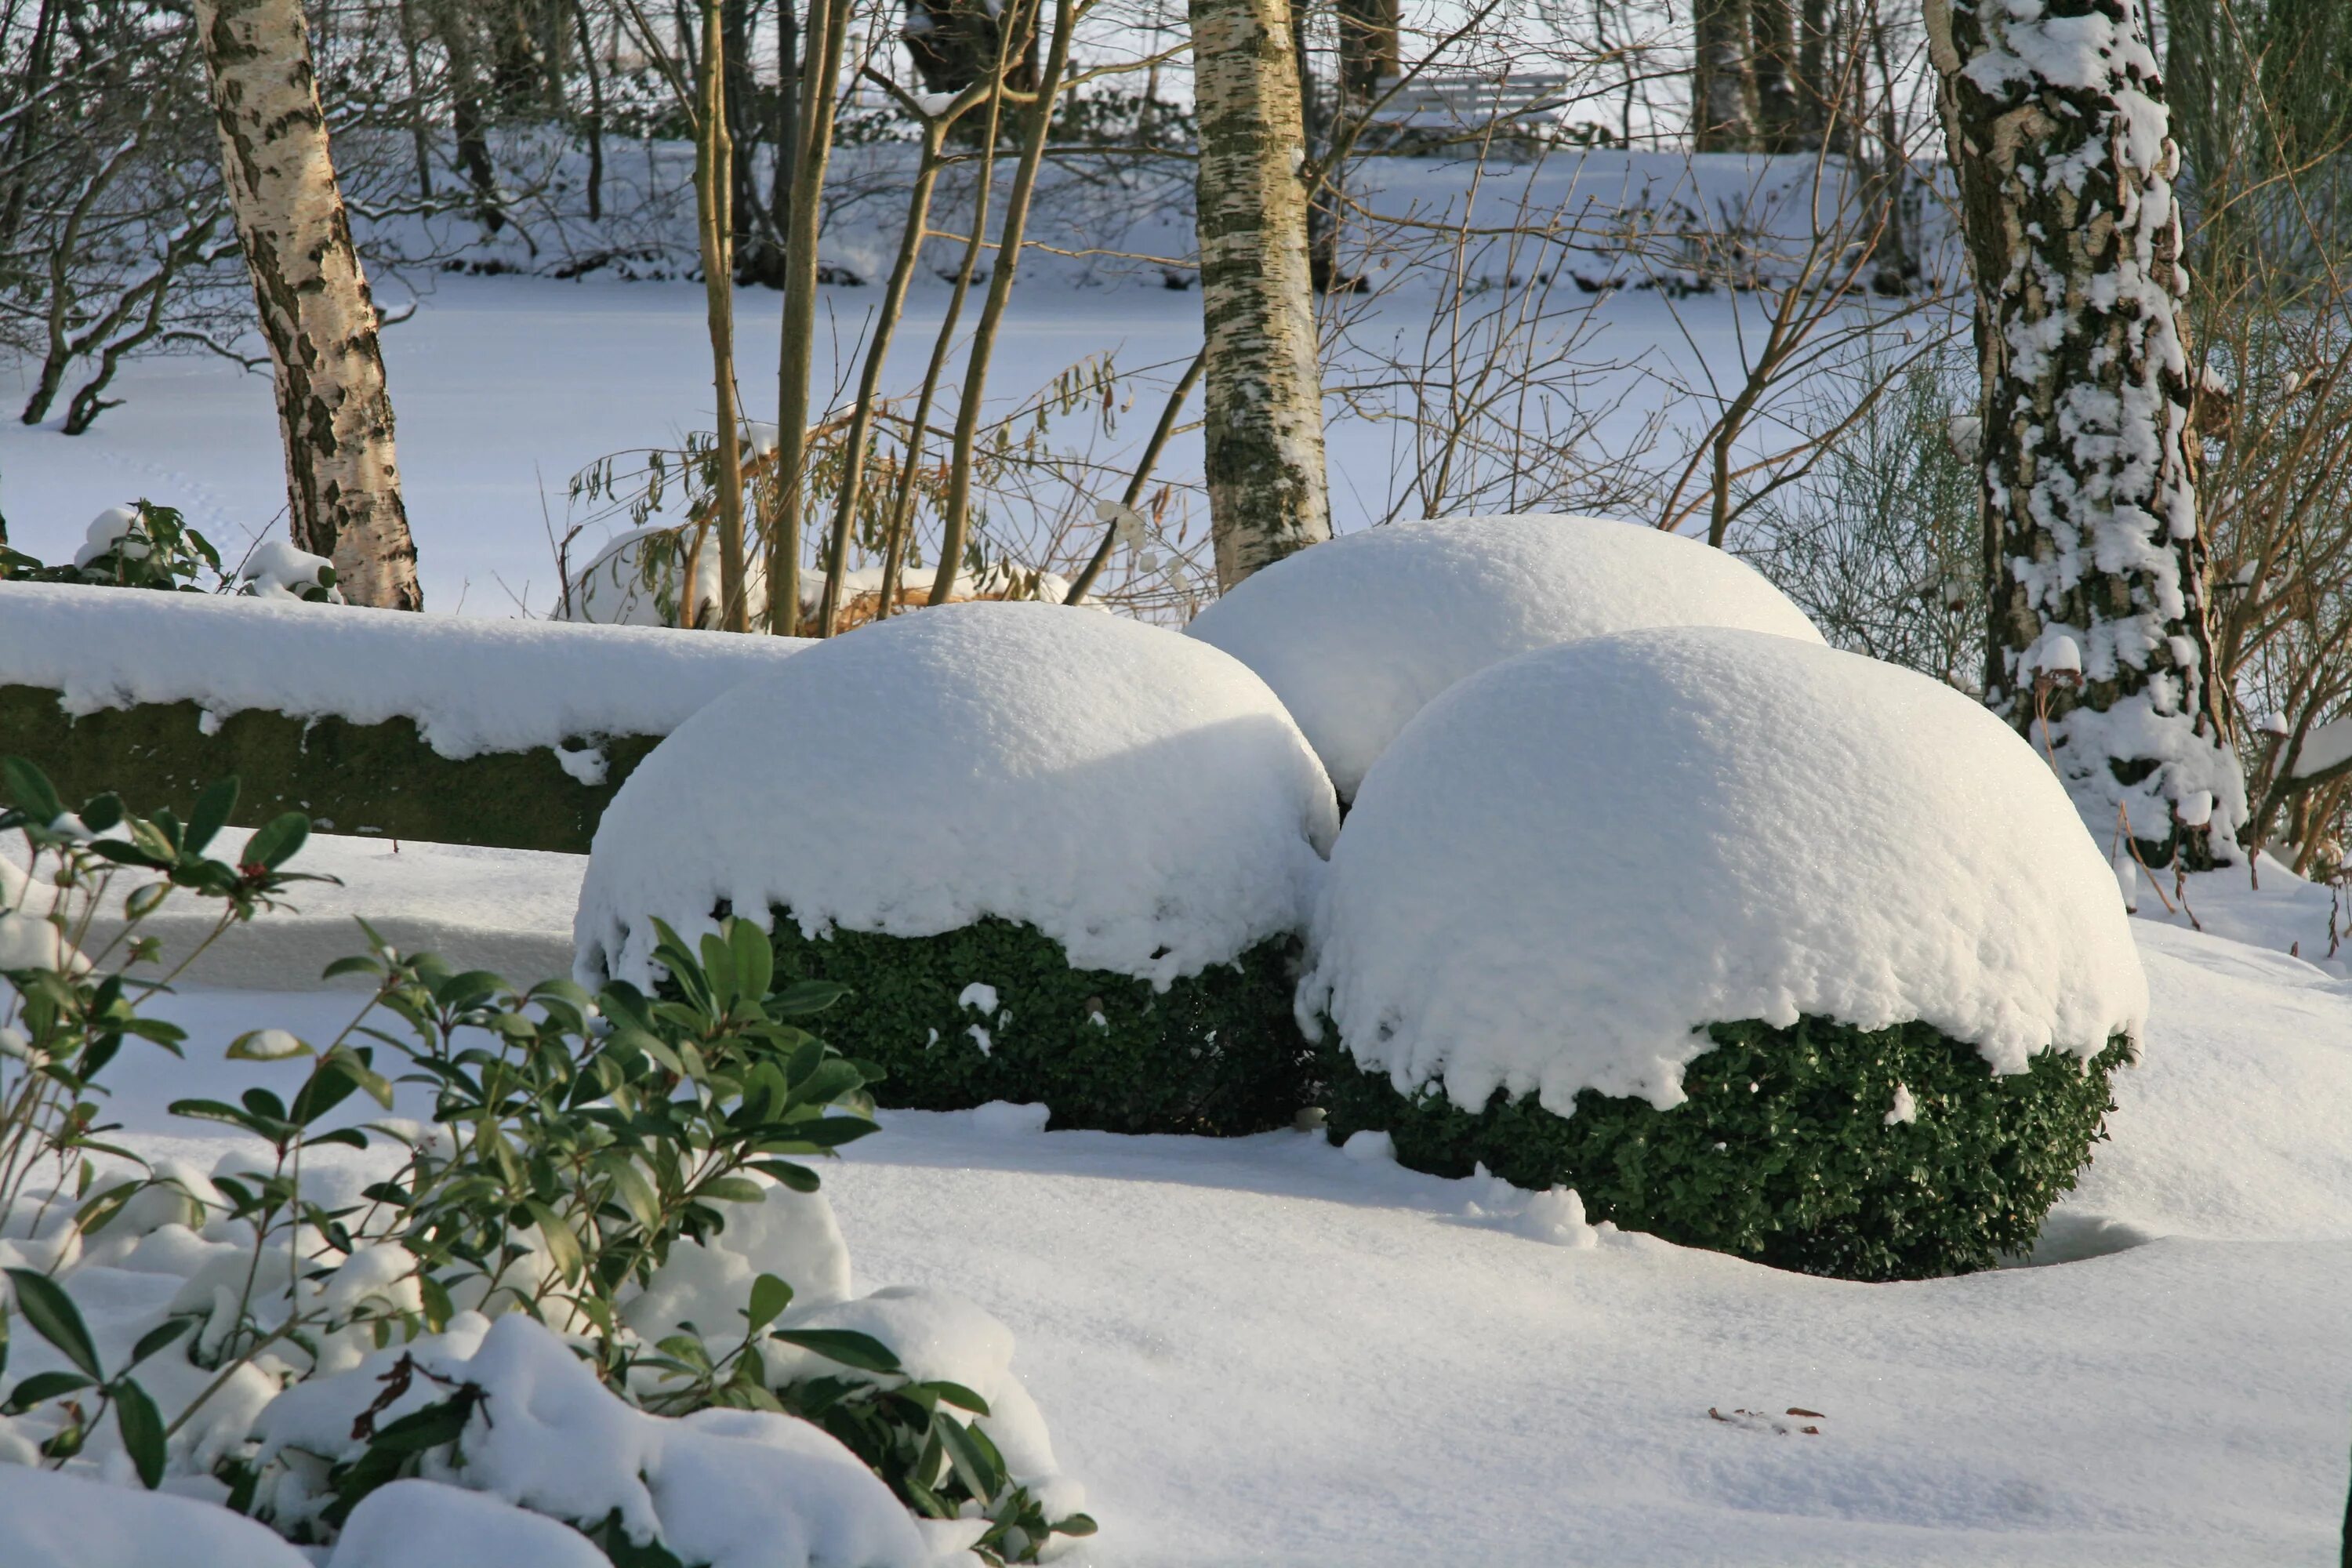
{"points": [[1573, 860], [1140, 797], [1356, 635]]}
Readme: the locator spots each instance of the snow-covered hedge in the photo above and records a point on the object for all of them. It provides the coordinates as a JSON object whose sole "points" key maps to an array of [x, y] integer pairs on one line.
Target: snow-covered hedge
{"points": [[435, 727], [1355, 636], [1057, 857], [1814, 950]]}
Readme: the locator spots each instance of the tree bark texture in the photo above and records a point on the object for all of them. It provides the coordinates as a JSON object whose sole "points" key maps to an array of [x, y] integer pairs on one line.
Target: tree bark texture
{"points": [[1369, 52], [828, 20], [1723, 77], [1264, 394], [2059, 132], [334, 414], [1779, 106], [713, 188]]}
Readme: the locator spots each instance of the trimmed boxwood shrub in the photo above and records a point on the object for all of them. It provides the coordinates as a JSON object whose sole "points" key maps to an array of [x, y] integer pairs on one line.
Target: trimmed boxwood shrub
{"points": [[1217, 1052], [1783, 1152]]}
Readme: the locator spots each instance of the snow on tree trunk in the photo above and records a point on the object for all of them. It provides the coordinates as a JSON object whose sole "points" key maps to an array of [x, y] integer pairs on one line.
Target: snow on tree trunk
{"points": [[2092, 548], [335, 417], [1264, 395]]}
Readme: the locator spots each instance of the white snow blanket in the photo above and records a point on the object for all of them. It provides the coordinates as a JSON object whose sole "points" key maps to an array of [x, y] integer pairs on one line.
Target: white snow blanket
{"points": [[116, 647], [1571, 862], [1356, 635], [1140, 797]]}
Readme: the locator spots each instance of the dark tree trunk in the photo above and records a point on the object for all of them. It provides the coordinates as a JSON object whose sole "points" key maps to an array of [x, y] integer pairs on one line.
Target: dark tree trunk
{"points": [[1780, 108], [1723, 77]]}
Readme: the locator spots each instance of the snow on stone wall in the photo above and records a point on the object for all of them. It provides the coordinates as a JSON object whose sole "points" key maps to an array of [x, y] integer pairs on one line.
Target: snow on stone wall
{"points": [[471, 686]]}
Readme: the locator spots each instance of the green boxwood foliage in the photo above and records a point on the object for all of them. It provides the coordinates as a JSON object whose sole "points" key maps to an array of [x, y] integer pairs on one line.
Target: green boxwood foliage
{"points": [[1217, 1052], [1783, 1152]]}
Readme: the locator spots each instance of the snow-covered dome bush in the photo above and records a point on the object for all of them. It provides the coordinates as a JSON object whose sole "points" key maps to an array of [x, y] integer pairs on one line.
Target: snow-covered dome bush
{"points": [[1058, 856], [1356, 635], [1730, 896]]}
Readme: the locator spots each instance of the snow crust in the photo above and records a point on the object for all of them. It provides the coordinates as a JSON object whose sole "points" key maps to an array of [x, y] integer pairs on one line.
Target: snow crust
{"points": [[113, 648], [1357, 634], [1140, 797], [1571, 862]]}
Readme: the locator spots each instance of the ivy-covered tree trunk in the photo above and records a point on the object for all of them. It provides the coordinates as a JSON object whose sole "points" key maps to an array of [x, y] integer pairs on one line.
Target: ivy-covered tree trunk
{"points": [[2094, 554], [335, 415], [1264, 397]]}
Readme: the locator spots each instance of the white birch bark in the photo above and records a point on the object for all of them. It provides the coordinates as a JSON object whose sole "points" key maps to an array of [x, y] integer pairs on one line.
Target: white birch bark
{"points": [[343, 485], [1264, 391]]}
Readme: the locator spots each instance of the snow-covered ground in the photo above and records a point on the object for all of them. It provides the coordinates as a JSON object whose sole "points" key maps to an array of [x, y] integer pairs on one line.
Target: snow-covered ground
{"points": [[505, 387], [1264, 1351]]}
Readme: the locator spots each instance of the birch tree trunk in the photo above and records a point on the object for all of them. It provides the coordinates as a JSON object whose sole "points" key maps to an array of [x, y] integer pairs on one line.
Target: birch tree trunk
{"points": [[1723, 77], [2094, 553], [1264, 397], [343, 486]]}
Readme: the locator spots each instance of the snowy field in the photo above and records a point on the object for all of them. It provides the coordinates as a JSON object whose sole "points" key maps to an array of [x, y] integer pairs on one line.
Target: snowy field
{"points": [[506, 386], [1264, 1351]]}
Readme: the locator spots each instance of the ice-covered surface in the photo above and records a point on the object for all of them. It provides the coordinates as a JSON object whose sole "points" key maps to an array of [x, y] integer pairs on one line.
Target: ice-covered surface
{"points": [[1574, 859], [111, 648], [1138, 796], [1357, 634], [1260, 1350]]}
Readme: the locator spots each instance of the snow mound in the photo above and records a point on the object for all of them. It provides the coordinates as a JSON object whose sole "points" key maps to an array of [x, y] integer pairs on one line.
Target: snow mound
{"points": [[1357, 634], [105, 647], [656, 577], [1140, 798], [941, 1336], [415, 1521], [277, 569], [731, 1488], [1573, 860], [49, 1519], [708, 1283]]}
